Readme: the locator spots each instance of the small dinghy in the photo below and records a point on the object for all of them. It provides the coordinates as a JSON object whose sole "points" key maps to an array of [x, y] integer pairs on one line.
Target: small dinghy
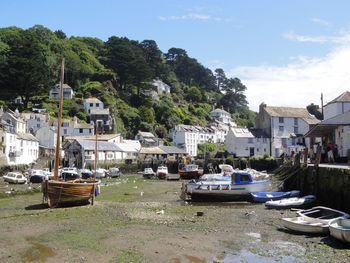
{"points": [[314, 221], [262, 197], [340, 229], [292, 202]]}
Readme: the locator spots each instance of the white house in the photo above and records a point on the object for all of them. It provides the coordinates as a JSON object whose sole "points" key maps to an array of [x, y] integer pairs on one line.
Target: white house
{"points": [[74, 128], [81, 153], [115, 138], [147, 138], [285, 126], [243, 142], [129, 150], [35, 120], [18, 148], [47, 137], [68, 92], [334, 130], [162, 88], [339, 105], [188, 137], [13, 118], [92, 103], [222, 116]]}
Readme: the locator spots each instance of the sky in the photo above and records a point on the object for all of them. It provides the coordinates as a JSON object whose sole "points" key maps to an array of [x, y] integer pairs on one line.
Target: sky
{"points": [[286, 52]]}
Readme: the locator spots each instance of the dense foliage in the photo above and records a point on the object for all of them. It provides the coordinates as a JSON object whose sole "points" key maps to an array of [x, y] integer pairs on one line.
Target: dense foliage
{"points": [[119, 72]]}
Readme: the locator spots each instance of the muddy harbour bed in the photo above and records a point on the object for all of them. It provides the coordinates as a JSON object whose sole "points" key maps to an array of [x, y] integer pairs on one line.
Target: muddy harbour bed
{"points": [[137, 220]]}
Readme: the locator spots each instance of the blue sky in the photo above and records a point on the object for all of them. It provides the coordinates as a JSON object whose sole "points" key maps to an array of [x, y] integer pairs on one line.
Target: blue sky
{"points": [[285, 52]]}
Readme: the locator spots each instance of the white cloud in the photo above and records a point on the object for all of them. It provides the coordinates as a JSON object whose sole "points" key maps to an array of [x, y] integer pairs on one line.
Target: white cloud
{"points": [[299, 83], [189, 16], [320, 21], [195, 16], [341, 39]]}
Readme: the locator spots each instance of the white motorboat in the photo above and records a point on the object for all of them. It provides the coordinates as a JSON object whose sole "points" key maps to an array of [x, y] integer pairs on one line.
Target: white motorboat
{"points": [[340, 229], [238, 187], [292, 202], [162, 172]]}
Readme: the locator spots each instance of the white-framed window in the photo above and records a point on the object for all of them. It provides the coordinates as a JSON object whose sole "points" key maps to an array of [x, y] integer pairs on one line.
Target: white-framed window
{"points": [[295, 121], [281, 119]]}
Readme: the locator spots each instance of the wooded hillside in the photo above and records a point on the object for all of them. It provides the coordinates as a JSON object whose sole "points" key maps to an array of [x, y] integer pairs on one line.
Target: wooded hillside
{"points": [[119, 72]]}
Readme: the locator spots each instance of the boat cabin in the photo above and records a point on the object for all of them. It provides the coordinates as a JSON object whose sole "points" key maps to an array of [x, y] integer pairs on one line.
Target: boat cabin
{"points": [[241, 178]]}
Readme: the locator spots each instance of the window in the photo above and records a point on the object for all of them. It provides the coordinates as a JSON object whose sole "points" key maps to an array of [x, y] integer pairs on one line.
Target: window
{"points": [[80, 130], [250, 140], [38, 125], [97, 104], [281, 128], [264, 140], [64, 131], [296, 129], [245, 178], [295, 121], [90, 130], [264, 149], [91, 104], [293, 141], [280, 119]]}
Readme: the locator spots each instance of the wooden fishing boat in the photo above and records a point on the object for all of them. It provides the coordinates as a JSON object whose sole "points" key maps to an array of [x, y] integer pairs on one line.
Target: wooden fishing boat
{"points": [[340, 229], [238, 188], [292, 202], [315, 220], [79, 191], [59, 192], [262, 197]]}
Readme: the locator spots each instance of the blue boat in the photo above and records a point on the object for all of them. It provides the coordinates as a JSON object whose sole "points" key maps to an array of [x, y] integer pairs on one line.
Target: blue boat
{"points": [[262, 197]]}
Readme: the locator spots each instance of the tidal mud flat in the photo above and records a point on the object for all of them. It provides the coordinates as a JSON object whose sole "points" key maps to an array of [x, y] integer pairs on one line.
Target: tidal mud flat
{"points": [[137, 220]]}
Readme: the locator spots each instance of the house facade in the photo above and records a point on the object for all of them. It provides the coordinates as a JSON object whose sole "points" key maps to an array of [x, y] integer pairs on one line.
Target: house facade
{"points": [[243, 142], [54, 93], [162, 88], [103, 119], [187, 137], [35, 121], [92, 103], [286, 127]]}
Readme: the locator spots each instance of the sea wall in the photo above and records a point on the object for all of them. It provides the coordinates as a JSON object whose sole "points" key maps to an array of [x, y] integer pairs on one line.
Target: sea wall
{"points": [[330, 185]]}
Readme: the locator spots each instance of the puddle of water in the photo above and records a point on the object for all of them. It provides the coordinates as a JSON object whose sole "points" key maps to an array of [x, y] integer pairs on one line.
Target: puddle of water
{"points": [[188, 259], [247, 256], [38, 252]]}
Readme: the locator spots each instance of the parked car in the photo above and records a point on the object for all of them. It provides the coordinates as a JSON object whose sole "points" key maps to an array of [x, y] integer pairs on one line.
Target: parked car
{"points": [[113, 172], [69, 173], [37, 176], [100, 173], [15, 178], [86, 174], [149, 173]]}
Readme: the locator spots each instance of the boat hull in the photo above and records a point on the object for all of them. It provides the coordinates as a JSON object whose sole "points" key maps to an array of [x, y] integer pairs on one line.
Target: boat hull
{"points": [[223, 191], [262, 197], [293, 202], [306, 225], [340, 229], [189, 174], [59, 193]]}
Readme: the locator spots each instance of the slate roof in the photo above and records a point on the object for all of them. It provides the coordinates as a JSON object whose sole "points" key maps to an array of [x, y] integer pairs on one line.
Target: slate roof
{"points": [[220, 110], [242, 133], [152, 150], [99, 112], [172, 149], [101, 146], [27, 137], [92, 100], [146, 134], [289, 112], [344, 97]]}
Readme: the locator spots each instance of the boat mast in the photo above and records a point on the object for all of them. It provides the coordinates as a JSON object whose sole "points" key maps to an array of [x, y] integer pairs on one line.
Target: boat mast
{"points": [[59, 124], [96, 152]]}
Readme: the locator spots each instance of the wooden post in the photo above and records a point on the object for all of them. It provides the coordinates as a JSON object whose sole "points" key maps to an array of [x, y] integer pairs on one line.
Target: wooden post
{"points": [[318, 155], [306, 153]]}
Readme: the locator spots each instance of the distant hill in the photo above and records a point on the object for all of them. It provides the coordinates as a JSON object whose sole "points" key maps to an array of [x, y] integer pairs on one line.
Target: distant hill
{"points": [[120, 72]]}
